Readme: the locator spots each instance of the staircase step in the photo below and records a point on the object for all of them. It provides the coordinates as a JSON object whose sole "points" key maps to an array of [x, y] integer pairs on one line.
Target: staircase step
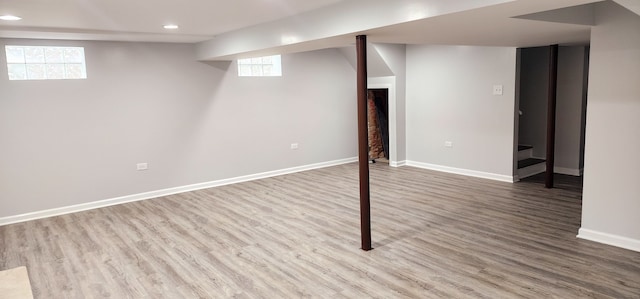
{"points": [[525, 154], [530, 170], [528, 162], [522, 147]]}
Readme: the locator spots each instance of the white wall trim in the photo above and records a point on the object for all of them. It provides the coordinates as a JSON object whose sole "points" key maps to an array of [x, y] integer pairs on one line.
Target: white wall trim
{"points": [[164, 192], [567, 171], [398, 163], [390, 85], [609, 239], [461, 171]]}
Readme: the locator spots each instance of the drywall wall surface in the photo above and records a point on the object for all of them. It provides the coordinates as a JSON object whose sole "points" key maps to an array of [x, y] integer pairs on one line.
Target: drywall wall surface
{"points": [[396, 58], [70, 142], [534, 83], [570, 98], [611, 196], [450, 99]]}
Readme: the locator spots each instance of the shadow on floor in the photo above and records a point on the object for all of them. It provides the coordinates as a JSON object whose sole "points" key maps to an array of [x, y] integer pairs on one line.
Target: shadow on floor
{"points": [[561, 181]]}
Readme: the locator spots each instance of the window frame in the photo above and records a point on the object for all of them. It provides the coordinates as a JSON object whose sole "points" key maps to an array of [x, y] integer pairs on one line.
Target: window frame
{"points": [[28, 62]]}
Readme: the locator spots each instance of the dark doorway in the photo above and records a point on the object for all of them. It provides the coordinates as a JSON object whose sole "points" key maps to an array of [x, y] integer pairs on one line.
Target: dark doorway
{"points": [[378, 109], [533, 111]]}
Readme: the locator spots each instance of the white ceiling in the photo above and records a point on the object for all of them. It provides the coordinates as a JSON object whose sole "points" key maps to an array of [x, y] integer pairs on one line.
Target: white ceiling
{"points": [[459, 22], [225, 23], [512, 24], [142, 20]]}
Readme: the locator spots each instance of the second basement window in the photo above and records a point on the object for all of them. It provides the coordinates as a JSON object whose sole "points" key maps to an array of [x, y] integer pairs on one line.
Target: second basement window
{"points": [[266, 66]]}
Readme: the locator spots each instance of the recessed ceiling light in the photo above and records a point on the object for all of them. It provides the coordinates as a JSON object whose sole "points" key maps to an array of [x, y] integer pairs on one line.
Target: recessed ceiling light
{"points": [[10, 18], [170, 26]]}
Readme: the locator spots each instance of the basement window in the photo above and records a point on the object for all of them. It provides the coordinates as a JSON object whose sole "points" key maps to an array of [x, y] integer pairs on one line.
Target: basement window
{"points": [[266, 66], [45, 63]]}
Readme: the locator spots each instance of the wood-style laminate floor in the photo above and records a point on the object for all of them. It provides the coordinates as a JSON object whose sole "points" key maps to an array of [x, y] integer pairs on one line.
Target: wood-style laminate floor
{"points": [[560, 181], [435, 235]]}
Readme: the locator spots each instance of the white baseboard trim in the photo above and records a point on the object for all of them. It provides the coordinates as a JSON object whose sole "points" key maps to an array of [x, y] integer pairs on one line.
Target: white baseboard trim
{"points": [[609, 239], [164, 192], [461, 171], [398, 163], [567, 171]]}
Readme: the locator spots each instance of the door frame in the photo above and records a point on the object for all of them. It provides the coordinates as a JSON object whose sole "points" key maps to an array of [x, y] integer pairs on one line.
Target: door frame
{"points": [[390, 85]]}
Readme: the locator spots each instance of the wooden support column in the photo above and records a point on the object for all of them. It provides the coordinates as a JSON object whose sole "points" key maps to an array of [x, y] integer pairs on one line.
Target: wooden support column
{"points": [[363, 141], [551, 114]]}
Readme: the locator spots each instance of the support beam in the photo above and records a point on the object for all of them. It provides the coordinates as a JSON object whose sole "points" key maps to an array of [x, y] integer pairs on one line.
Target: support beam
{"points": [[551, 114], [363, 141]]}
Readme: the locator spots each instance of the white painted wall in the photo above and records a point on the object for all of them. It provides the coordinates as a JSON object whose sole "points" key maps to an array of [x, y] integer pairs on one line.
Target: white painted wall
{"points": [[449, 98], [611, 195], [395, 56], [387, 68], [570, 101], [77, 141]]}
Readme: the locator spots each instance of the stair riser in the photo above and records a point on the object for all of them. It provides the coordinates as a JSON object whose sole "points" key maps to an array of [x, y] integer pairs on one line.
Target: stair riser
{"points": [[525, 154], [531, 170]]}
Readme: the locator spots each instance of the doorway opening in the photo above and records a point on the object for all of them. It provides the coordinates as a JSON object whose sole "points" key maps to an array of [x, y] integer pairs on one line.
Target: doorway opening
{"points": [[531, 114], [378, 124]]}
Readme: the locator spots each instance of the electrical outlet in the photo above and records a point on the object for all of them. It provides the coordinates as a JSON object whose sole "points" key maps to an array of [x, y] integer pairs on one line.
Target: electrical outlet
{"points": [[294, 146], [448, 144], [142, 166], [497, 90]]}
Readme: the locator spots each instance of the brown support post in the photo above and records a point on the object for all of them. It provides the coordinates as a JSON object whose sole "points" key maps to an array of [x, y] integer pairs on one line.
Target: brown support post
{"points": [[551, 114], [363, 141]]}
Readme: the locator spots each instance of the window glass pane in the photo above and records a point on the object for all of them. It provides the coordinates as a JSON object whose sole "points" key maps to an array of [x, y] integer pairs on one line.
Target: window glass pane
{"points": [[55, 71], [260, 66], [244, 70], [256, 70], [267, 69], [14, 54], [17, 71], [75, 71], [36, 71], [74, 55], [35, 63], [277, 66], [34, 54], [54, 55]]}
